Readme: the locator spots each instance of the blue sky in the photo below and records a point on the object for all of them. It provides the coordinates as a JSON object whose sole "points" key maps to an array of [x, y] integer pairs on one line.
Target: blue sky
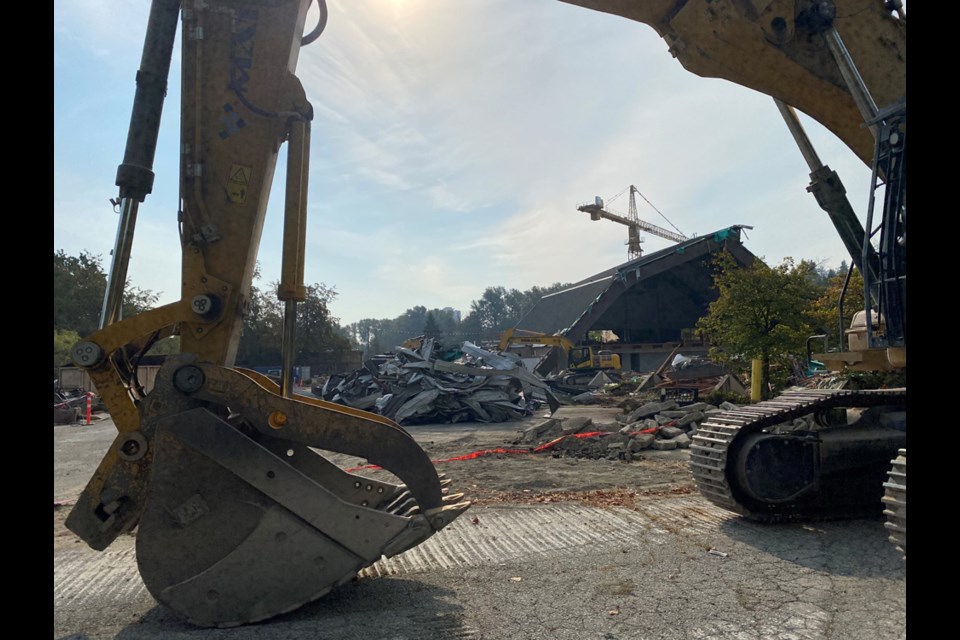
{"points": [[451, 145]]}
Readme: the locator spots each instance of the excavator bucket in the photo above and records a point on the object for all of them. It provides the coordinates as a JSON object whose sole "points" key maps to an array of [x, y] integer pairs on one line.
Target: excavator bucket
{"points": [[242, 518]]}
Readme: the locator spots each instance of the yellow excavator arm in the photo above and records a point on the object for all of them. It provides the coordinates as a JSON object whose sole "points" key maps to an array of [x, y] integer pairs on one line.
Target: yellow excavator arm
{"points": [[238, 517]]}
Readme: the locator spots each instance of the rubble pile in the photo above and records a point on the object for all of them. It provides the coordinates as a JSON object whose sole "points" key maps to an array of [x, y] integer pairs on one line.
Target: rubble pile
{"points": [[679, 377], [416, 386], [654, 425]]}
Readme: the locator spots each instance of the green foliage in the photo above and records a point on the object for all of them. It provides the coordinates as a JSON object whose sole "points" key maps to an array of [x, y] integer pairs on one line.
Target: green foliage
{"points": [[497, 309], [874, 379], [500, 308], [826, 308], [430, 327], [316, 330], [63, 341], [761, 313], [79, 283], [375, 336], [716, 398], [78, 286]]}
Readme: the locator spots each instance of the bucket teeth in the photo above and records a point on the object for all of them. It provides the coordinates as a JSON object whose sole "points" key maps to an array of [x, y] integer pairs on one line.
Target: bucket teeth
{"points": [[393, 494], [442, 516], [401, 504]]}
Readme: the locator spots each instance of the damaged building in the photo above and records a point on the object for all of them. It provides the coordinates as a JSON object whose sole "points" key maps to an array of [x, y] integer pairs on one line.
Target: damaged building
{"points": [[651, 303]]}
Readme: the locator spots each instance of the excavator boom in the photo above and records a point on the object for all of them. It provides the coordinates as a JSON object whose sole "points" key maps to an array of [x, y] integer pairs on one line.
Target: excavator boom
{"points": [[775, 47]]}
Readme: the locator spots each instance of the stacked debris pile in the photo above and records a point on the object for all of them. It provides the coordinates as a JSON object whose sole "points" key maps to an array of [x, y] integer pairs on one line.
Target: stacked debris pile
{"points": [[654, 425], [687, 379], [416, 386], [684, 378]]}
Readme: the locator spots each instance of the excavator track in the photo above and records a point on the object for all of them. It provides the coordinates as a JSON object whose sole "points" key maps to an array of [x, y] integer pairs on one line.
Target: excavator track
{"points": [[721, 447], [895, 502]]}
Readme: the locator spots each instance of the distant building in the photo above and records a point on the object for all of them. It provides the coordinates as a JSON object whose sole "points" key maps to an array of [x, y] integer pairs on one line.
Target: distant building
{"points": [[453, 312], [651, 303]]}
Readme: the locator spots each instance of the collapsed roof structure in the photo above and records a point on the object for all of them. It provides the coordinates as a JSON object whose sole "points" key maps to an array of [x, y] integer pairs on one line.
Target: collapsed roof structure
{"points": [[652, 300]]}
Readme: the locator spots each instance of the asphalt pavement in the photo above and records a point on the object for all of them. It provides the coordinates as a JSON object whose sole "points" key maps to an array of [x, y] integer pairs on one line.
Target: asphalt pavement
{"points": [[670, 568]]}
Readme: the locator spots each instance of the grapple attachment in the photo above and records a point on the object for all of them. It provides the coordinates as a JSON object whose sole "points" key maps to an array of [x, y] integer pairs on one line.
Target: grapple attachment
{"points": [[242, 519]]}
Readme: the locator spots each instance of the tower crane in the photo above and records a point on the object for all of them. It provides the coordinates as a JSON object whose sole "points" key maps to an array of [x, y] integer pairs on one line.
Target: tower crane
{"points": [[632, 221]]}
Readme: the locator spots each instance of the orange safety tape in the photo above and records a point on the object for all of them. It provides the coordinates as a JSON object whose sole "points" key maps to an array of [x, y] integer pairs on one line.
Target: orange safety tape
{"points": [[544, 447]]}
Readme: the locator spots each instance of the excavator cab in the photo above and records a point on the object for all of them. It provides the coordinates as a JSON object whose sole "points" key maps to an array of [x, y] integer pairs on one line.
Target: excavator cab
{"points": [[580, 358], [238, 515]]}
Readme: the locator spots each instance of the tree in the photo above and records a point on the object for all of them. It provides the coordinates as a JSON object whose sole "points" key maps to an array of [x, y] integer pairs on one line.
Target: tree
{"points": [[262, 331], [78, 287], [261, 342], [491, 312], [761, 313], [63, 342], [826, 308], [430, 327], [79, 283], [316, 328]]}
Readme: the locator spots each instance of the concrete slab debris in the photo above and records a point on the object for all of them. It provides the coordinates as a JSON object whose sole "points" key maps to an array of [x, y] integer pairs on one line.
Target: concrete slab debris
{"points": [[667, 427], [416, 385]]}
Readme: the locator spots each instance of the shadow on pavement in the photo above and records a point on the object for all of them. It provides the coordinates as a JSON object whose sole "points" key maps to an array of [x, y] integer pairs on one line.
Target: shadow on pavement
{"points": [[379, 608], [856, 548]]}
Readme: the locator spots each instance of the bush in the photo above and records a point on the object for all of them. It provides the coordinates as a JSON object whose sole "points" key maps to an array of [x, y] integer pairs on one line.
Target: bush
{"points": [[716, 398]]}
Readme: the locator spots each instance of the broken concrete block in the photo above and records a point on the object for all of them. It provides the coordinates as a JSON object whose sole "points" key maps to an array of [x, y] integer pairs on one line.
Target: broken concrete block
{"points": [[576, 425], [682, 440], [670, 432], [694, 416], [664, 445], [673, 413], [640, 442], [634, 426], [535, 432], [651, 409], [697, 406], [662, 419], [609, 427], [729, 406], [585, 398]]}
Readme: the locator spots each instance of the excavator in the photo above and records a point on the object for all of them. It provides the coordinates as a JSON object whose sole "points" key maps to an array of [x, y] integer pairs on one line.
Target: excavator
{"points": [[238, 516], [815, 454], [579, 358]]}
